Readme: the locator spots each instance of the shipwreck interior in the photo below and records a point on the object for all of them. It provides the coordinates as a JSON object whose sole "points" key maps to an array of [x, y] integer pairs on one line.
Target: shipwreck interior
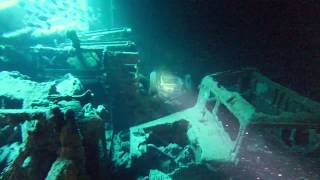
{"points": [[159, 90]]}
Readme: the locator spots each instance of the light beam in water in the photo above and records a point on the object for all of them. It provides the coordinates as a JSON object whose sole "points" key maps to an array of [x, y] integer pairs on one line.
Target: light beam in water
{"points": [[4, 4]]}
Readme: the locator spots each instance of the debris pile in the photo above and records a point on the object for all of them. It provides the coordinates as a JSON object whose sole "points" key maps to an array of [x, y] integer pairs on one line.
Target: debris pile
{"points": [[241, 126], [52, 135]]}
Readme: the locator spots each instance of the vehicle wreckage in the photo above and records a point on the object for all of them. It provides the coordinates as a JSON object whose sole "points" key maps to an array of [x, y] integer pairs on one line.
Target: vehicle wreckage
{"points": [[215, 131], [58, 129], [210, 135]]}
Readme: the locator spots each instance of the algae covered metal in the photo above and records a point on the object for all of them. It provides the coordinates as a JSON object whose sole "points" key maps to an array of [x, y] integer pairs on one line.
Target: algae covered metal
{"points": [[212, 132]]}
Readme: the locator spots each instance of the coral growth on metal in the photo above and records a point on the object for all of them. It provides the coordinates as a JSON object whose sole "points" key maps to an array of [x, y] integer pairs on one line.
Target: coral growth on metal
{"points": [[229, 105]]}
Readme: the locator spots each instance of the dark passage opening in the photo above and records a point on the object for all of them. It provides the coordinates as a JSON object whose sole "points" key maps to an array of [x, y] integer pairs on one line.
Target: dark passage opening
{"points": [[8, 103], [163, 135], [230, 123]]}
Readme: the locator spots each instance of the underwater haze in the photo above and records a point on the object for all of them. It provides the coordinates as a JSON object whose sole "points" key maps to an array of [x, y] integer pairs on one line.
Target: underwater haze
{"points": [[159, 89]]}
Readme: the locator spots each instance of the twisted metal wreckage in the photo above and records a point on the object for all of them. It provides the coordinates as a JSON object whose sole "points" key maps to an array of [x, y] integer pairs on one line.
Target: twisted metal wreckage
{"points": [[50, 130]]}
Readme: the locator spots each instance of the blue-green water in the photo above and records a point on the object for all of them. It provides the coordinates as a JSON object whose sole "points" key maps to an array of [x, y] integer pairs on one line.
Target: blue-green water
{"points": [[162, 89]]}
